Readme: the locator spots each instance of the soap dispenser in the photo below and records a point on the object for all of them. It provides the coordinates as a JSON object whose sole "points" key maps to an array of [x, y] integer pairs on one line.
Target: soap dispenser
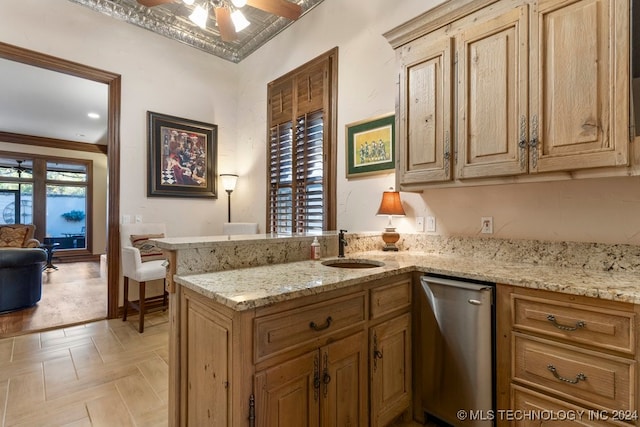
{"points": [[315, 249]]}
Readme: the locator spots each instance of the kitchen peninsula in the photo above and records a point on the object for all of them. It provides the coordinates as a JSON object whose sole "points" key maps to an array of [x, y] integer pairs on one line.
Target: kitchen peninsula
{"points": [[256, 326]]}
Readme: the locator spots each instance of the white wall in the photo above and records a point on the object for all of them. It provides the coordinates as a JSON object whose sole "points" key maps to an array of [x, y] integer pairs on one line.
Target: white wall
{"points": [[158, 75]]}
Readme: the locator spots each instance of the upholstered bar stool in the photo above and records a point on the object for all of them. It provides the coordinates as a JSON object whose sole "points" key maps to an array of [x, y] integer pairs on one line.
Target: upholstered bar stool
{"points": [[142, 261]]}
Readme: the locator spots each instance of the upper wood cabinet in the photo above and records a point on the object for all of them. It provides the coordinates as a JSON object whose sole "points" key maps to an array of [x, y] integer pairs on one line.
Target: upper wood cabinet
{"points": [[579, 84], [492, 96], [511, 87], [424, 117]]}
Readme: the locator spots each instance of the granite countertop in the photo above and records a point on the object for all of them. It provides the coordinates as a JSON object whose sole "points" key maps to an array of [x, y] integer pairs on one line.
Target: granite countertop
{"points": [[248, 288]]}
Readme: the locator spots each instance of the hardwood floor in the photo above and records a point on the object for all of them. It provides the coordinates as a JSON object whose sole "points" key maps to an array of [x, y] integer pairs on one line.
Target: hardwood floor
{"points": [[102, 373], [73, 294]]}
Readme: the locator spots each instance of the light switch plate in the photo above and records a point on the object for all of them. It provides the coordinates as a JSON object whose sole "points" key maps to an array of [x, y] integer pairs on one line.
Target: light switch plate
{"points": [[126, 219], [138, 219], [419, 223], [431, 224]]}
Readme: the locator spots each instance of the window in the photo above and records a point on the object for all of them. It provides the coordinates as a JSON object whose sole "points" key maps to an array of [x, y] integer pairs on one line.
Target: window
{"points": [[54, 194], [302, 134]]}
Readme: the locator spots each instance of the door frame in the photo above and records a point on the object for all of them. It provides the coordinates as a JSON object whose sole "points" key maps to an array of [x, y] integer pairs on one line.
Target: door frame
{"points": [[113, 81]]}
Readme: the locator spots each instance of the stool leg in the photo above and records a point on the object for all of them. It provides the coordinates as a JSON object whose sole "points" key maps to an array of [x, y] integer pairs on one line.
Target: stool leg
{"points": [[141, 305], [126, 298], [164, 293]]}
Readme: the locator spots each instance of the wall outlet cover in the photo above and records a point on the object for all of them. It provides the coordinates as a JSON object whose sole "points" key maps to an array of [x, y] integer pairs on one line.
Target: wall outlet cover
{"points": [[487, 225]]}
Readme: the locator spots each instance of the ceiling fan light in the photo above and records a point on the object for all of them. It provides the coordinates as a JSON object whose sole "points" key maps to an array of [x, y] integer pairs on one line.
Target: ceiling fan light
{"points": [[239, 3], [199, 16], [239, 20], [188, 2]]}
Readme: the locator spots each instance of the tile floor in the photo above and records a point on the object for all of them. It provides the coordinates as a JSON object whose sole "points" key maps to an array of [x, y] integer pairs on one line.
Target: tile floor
{"points": [[102, 373]]}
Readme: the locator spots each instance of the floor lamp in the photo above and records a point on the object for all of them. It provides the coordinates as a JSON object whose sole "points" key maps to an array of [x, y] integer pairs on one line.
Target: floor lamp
{"points": [[229, 184]]}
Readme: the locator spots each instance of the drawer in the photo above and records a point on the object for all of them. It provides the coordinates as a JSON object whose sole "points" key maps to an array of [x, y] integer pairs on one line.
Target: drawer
{"points": [[539, 408], [290, 328], [388, 298], [587, 377], [597, 327]]}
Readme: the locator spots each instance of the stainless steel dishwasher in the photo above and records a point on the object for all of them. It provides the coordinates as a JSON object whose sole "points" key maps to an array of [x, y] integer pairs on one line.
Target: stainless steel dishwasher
{"points": [[457, 361]]}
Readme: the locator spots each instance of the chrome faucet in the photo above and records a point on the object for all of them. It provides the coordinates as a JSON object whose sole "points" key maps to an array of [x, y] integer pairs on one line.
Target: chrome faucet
{"points": [[342, 242]]}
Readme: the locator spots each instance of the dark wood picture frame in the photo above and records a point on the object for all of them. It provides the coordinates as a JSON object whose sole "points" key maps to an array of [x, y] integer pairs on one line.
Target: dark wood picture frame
{"points": [[182, 157], [370, 146]]}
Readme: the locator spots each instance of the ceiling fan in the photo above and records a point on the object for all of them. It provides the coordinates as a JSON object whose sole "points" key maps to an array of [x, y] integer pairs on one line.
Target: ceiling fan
{"points": [[20, 168], [225, 18]]}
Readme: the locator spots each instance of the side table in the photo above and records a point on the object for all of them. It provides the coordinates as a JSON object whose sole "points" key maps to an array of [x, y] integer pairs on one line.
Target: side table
{"points": [[49, 247]]}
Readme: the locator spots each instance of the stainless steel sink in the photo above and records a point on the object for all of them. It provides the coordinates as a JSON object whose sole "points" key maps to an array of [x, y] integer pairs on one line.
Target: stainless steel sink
{"points": [[352, 263]]}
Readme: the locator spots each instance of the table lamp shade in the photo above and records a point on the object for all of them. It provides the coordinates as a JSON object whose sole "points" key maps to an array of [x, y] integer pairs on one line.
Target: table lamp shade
{"points": [[391, 204]]}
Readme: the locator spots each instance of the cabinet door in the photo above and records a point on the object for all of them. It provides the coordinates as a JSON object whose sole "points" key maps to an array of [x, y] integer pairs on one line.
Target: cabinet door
{"points": [[580, 89], [344, 382], [424, 107], [492, 96], [390, 365], [289, 394], [205, 394]]}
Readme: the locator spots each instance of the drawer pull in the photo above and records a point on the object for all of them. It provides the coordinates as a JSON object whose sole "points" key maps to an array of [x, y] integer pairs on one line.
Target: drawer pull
{"points": [[579, 324], [316, 327], [579, 377]]}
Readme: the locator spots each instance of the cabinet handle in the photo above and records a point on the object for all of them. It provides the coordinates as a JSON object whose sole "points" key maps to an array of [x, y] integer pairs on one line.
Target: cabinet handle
{"points": [[533, 144], [522, 143], [316, 378], [316, 327], [579, 377], [579, 324], [326, 378], [447, 156], [377, 354]]}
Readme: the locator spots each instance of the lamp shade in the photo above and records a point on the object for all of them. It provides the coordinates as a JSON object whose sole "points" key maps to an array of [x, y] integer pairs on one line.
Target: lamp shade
{"points": [[391, 204], [228, 181]]}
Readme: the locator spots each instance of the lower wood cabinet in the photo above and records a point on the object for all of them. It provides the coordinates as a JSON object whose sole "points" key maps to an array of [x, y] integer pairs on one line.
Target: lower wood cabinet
{"points": [[390, 365], [325, 387], [566, 354], [341, 358]]}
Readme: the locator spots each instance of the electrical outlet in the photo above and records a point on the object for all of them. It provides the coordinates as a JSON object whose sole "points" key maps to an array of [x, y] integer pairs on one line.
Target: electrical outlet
{"points": [[419, 223], [487, 225], [126, 219], [138, 219], [431, 224]]}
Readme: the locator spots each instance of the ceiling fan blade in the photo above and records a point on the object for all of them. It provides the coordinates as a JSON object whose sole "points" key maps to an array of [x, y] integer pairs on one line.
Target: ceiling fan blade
{"points": [[278, 7], [151, 3], [225, 25]]}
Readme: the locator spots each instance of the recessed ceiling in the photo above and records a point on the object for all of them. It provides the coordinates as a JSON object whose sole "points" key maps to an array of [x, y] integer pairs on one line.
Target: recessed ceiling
{"points": [[40, 102], [172, 20]]}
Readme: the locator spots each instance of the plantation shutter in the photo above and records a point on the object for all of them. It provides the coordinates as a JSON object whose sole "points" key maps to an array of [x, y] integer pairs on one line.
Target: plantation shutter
{"points": [[301, 160]]}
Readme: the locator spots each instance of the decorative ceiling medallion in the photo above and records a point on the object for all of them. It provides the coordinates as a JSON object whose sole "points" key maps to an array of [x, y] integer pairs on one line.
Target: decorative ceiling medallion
{"points": [[172, 20]]}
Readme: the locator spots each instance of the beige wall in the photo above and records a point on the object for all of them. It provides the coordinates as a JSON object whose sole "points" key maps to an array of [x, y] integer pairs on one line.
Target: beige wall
{"points": [[99, 208]]}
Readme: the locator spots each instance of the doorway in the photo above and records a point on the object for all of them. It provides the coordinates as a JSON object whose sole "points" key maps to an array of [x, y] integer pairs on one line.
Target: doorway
{"points": [[113, 82]]}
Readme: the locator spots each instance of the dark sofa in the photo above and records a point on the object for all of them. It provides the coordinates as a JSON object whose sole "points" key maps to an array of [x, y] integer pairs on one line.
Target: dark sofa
{"points": [[20, 277]]}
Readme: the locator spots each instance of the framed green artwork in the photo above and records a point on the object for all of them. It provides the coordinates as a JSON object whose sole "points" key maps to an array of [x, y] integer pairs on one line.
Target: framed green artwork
{"points": [[371, 146]]}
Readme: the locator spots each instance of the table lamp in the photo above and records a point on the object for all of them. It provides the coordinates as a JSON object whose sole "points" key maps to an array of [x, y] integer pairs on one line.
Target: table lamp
{"points": [[390, 205]]}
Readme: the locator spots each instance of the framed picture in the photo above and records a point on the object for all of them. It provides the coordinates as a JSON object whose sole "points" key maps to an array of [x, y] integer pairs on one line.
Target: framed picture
{"points": [[371, 146], [182, 157]]}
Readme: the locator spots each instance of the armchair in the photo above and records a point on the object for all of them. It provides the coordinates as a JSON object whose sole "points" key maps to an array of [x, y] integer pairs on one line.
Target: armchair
{"points": [[141, 261], [21, 263]]}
